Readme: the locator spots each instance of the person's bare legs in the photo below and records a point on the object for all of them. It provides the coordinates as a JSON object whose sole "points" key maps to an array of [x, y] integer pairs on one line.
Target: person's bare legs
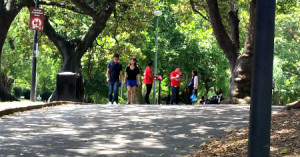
{"points": [[128, 95], [132, 93]]}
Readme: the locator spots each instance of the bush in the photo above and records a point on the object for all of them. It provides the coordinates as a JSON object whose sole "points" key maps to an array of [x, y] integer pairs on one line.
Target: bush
{"points": [[26, 93], [45, 95], [17, 92]]}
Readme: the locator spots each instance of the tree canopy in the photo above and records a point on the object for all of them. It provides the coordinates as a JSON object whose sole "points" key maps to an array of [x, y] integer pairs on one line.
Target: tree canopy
{"points": [[186, 38]]}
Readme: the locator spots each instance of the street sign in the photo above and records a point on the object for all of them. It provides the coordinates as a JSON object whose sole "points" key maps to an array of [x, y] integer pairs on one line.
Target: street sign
{"points": [[36, 19]]}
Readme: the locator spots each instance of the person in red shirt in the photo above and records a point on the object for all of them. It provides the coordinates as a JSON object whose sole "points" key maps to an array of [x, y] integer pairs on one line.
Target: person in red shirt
{"points": [[148, 81], [175, 77]]}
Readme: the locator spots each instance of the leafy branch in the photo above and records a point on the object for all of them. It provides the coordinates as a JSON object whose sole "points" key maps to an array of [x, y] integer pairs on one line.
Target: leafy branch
{"points": [[61, 5], [193, 4]]}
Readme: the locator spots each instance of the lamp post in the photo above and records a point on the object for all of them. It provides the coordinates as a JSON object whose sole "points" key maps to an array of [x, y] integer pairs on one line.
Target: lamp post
{"points": [[156, 13]]}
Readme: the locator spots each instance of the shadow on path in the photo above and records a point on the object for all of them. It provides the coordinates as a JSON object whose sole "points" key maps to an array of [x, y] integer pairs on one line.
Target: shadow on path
{"points": [[130, 130]]}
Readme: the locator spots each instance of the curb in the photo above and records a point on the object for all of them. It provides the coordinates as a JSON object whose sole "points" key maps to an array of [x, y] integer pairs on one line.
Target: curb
{"points": [[37, 106]]}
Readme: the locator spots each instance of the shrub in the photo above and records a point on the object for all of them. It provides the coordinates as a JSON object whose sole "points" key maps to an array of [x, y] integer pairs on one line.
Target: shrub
{"points": [[26, 93], [45, 95], [17, 92]]}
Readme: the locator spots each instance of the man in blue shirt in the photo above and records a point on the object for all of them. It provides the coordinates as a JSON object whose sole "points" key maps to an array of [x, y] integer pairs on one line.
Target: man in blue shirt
{"points": [[113, 77]]}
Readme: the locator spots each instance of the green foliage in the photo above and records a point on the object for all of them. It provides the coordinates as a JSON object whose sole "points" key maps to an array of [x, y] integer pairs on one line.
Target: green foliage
{"points": [[26, 93], [45, 95], [17, 61], [286, 6], [287, 57], [17, 92], [96, 88], [185, 39]]}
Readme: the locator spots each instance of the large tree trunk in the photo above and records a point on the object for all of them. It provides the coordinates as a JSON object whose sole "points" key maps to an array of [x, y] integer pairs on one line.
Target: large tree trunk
{"points": [[7, 81], [6, 18], [241, 64], [4, 95], [71, 63], [73, 50], [240, 85]]}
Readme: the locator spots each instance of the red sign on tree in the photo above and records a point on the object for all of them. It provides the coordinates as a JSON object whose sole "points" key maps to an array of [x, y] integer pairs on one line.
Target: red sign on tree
{"points": [[36, 19]]}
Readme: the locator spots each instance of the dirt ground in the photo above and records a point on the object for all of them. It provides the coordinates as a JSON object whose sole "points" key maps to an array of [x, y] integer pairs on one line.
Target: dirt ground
{"points": [[285, 139]]}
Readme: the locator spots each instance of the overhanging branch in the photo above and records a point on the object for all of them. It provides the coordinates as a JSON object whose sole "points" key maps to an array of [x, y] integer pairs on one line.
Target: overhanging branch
{"points": [[291, 71], [85, 8], [291, 32], [61, 5], [97, 27], [58, 41], [196, 11]]}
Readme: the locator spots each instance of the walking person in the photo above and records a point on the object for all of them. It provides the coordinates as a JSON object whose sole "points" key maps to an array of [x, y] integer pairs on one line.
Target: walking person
{"points": [[148, 81], [113, 77], [194, 84], [175, 77], [132, 79]]}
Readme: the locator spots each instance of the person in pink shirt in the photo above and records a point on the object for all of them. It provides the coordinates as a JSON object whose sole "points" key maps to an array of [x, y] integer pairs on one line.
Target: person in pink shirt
{"points": [[175, 77]]}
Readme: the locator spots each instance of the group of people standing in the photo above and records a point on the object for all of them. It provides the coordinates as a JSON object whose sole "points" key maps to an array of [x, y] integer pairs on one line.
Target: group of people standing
{"points": [[132, 79]]}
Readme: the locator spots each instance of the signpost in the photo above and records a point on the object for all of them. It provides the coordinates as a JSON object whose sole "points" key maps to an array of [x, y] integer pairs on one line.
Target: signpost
{"points": [[37, 19], [36, 24]]}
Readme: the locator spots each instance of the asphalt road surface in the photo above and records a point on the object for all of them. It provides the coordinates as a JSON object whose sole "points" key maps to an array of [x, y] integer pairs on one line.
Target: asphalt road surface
{"points": [[116, 130]]}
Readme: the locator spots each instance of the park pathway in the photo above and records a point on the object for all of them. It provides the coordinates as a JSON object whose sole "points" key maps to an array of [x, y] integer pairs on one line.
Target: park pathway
{"points": [[116, 130]]}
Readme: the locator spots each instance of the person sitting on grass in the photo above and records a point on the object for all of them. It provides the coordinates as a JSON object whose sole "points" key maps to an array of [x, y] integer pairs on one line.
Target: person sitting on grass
{"points": [[219, 95], [202, 101], [211, 96]]}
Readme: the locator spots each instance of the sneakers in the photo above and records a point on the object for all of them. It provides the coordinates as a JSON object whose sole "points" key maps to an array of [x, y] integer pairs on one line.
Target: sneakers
{"points": [[110, 103]]}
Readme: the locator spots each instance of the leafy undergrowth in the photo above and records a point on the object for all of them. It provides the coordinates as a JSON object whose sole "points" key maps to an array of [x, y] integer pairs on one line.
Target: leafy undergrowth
{"points": [[285, 139]]}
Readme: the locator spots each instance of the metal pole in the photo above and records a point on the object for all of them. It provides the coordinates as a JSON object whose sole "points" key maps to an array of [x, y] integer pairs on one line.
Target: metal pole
{"points": [[159, 92], [33, 73], [155, 63], [260, 111], [121, 89]]}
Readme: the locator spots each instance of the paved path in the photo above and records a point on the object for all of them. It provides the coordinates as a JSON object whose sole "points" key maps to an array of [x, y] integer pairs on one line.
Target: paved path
{"points": [[110, 130]]}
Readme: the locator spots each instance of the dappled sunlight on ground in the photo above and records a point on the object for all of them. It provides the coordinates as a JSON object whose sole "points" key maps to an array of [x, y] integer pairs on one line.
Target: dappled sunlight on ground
{"points": [[124, 130]]}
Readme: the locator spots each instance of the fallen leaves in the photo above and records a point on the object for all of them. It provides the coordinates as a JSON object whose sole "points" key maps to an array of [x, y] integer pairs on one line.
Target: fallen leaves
{"points": [[131, 151], [284, 151], [285, 137]]}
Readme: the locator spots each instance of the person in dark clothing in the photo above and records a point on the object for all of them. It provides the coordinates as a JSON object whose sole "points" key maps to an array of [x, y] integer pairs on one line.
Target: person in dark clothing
{"points": [[202, 101], [219, 95], [132, 79], [113, 77], [194, 84]]}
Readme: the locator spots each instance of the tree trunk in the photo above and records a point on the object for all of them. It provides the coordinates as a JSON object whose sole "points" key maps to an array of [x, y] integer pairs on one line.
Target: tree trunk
{"points": [[139, 93], [7, 81], [241, 64], [73, 50], [240, 81], [71, 63], [240, 85], [5, 22]]}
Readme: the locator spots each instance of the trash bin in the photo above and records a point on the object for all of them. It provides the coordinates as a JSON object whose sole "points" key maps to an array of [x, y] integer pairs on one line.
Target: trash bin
{"points": [[66, 86]]}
